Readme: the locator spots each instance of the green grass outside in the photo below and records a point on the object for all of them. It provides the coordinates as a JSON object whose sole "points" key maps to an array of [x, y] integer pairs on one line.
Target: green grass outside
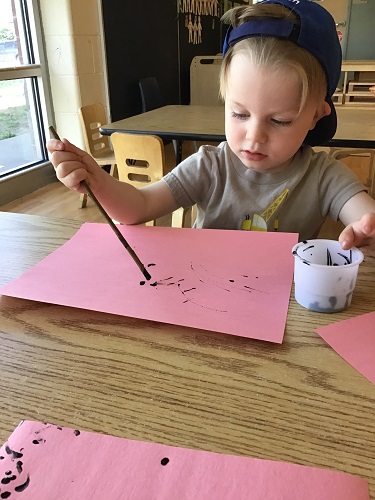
{"points": [[13, 122]]}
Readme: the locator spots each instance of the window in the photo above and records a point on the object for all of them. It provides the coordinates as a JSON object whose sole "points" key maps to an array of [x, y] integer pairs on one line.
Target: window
{"points": [[23, 88]]}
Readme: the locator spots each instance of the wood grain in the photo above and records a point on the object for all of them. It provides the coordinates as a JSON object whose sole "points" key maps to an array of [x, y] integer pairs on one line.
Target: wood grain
{"points": [[297, 402]]}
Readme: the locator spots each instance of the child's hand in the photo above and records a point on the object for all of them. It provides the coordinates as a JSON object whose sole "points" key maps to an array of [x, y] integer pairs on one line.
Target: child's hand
{"points": [[359, 232], [73, 165]]}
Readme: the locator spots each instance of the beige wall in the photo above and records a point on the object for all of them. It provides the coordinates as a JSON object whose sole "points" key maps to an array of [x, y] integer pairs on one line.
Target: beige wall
{"points": [[74, 54]]}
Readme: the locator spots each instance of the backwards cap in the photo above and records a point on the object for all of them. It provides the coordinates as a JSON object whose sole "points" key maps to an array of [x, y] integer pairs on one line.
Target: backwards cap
{"points": [[316, 33]]}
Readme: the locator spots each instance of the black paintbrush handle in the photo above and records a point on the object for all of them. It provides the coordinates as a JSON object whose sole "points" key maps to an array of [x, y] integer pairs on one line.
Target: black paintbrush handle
{"points": [[119, 235]]}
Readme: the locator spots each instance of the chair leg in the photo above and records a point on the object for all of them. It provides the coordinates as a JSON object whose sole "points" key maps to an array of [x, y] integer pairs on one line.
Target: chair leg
{"points": [[177, 145], [371, 176], [82, 200], [114, 171]]}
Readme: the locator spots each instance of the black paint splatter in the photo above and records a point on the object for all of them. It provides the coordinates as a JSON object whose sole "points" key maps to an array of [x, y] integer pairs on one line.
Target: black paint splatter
{"points": [[142, 283], [77, 432], [22, 487], [7, 480], [15, 454], [5, 494], [19, 466], [307, 248], [164, 461], [151, 265]]}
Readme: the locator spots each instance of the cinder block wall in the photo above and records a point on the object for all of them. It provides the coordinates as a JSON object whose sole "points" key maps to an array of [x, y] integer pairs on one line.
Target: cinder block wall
{"points": [[73, 38]]}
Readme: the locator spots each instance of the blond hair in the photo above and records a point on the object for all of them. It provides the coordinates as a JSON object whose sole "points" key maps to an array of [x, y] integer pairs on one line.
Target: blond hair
{"points": [[273, 52]]}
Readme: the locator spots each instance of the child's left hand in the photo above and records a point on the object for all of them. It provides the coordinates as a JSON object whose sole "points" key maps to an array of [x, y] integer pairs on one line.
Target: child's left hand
{"points": [[359, 232]]}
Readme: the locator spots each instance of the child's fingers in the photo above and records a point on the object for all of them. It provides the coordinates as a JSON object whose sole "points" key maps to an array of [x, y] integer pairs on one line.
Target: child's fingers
{"points": [[358, 232], [71, 177], [58, 157], [347, 238], [54, 145], [367, 224], [71, 148]]}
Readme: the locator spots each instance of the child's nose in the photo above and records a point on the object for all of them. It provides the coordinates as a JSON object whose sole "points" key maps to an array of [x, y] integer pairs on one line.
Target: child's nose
{"points": [[256, 132]]}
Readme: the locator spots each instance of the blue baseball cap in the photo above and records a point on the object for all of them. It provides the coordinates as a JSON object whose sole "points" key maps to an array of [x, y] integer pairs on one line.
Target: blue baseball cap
{"points": [[316, 33]]}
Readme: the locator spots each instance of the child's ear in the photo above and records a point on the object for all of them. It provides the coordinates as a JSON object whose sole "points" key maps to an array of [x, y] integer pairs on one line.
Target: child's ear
{"points": [[323, 110]]}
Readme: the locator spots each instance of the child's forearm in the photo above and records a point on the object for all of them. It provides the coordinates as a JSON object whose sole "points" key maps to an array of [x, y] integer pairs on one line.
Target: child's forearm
{"points": [[123, 202]]}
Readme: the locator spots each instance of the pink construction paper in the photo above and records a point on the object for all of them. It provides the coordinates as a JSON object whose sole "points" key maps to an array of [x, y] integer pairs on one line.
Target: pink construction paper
{"points": [[354, 340], [235, 282], [43, 462]]}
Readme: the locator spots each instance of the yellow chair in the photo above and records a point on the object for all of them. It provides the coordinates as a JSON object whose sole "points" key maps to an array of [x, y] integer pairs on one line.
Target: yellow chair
{"points": [[92, 117], [140, 161], [339, 154]]}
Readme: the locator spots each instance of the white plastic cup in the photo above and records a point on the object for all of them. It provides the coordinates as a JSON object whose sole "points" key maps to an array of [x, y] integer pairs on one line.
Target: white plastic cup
{"points": [[325, 275]]}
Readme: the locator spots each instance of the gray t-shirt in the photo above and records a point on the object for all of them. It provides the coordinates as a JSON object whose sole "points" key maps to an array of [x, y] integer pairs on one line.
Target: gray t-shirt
{"points": [[231, 196]]}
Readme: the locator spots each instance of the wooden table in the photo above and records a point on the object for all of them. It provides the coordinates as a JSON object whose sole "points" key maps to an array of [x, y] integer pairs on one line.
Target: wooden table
{"points": [[356, 126], [296, 402]]}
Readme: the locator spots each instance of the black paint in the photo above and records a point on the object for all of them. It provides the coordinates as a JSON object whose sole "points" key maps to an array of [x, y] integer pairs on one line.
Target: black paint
{"points": [[36, 441], [142, 283], [146, 274], [151, 265], [164, 461], [8, 472], [154, 284], [22, 487], [307, 248], [329, 258], [19, 466], [348, 260], [77, 432], [7, 480], [5, 494], [15, 454]]}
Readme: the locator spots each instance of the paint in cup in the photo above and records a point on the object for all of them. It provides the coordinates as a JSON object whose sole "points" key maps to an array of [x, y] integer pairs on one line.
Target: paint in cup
{"points": [[325, 275]]}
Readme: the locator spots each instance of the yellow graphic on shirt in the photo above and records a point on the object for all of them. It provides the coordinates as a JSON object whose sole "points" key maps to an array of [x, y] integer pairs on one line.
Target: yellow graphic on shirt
{"points": [[259, 222]]}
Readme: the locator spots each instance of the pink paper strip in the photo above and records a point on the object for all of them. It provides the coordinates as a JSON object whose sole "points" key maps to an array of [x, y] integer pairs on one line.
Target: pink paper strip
{"points": [[235, 282], [44, 462], [354, 340]]}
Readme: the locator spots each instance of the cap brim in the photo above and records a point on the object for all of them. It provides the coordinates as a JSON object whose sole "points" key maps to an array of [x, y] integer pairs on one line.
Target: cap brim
{"points": [[324, 130]]}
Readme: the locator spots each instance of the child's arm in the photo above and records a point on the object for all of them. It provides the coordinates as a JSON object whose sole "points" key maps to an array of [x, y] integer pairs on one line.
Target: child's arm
{"points": [[358, 214], [122, 201]]}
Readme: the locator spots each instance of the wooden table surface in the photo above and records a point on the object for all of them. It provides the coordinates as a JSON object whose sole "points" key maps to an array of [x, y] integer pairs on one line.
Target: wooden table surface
{"points": [[296, 402], [356, 125]]}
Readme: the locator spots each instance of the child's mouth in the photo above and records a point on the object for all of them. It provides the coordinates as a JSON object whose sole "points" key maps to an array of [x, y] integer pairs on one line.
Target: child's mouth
{"points": [[252, 155]]}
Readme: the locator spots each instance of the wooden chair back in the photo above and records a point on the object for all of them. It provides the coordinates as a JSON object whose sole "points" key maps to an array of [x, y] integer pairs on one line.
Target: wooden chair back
{"points": [[339, 154], [140, 161], [92, 117], [204, 80], [140, 158]]}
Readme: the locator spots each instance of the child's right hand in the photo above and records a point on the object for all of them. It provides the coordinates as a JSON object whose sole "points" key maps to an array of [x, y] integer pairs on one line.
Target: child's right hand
{"points": [[73, 165]]}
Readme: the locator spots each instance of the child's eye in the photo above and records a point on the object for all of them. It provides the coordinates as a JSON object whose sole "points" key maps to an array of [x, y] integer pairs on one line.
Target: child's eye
{"points": [[240, 116], [281, 123]]}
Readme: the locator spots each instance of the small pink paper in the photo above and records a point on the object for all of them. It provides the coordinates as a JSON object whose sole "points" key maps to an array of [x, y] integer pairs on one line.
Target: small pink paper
{"points": [[354, 340], [234, 282], [43, 462]]}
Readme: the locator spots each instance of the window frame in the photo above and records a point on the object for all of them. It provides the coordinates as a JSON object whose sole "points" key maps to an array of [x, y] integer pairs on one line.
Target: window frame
{"points": [[37, 71]]}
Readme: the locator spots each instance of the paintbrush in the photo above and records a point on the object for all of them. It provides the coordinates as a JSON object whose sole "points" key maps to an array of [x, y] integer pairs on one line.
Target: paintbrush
{"points": [[123, 241]]}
